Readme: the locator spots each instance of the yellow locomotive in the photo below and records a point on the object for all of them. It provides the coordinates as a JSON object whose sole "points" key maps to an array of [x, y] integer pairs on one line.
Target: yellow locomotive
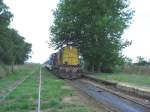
{"points": [[66, 63]]}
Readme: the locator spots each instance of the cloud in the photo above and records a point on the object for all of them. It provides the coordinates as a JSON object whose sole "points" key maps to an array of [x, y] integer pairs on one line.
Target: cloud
{"points": [[139, 32], [32, 18]]}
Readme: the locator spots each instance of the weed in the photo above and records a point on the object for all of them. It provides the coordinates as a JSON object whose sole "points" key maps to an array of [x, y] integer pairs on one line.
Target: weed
{"points": [[135, 79]]}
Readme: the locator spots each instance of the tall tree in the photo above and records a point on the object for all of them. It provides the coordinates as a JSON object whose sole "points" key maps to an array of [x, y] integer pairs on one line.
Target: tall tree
{"points": [[5, 18], [13, 48], [141, 61], [5, 15], [95, 27]]}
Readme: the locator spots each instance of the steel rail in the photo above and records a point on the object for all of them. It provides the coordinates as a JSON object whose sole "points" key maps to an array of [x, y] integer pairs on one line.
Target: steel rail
{"points": [[116, 93], [39, 94]]}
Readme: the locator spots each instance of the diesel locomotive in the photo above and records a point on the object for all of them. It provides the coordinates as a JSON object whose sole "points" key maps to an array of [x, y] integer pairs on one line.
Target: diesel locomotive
{"points": [[66, 63]]}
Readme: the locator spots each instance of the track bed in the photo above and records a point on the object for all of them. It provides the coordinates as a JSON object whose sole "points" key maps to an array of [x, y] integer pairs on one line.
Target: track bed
{"points": [[110, 100]]}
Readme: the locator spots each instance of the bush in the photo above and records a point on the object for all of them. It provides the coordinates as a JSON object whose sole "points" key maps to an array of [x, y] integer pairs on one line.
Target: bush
{"points": [[105, 69], [2, 72], [136, 69]]}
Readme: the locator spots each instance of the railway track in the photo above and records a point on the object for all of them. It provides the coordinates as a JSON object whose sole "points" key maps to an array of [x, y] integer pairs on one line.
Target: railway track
{"points": [[13, 87], [113, 100]]}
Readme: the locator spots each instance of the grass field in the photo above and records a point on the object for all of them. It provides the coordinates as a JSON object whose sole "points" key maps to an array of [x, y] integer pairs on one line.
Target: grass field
{"points": [[133, 79], [56, 94], [23, 97]]}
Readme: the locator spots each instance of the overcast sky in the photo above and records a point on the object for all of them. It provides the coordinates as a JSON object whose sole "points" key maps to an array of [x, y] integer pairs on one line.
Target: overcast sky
{"points": [[32, 19]]}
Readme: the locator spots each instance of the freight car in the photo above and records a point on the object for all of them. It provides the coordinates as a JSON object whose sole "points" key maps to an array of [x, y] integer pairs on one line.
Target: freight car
{"points": [[66, 63]]}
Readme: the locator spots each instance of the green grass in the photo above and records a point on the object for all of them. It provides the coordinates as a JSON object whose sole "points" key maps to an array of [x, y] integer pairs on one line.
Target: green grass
{"points": [[53, 95], [24, 98], [139, 80], [11, 79]]}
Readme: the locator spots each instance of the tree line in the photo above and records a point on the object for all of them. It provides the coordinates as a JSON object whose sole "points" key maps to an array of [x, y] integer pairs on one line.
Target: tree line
{"points": [[140, 61], [95, 28], [13, 48]]}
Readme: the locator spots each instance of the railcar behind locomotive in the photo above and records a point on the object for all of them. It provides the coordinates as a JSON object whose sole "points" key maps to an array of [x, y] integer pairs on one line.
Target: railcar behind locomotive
{"points": [[66, 63]]}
